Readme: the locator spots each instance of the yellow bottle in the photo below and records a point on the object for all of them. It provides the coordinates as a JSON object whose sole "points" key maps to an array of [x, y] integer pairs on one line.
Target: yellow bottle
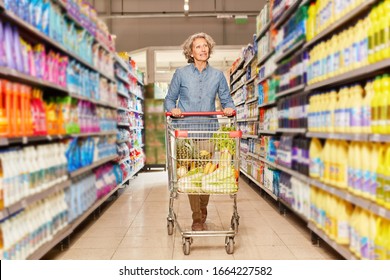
{"points": [[332, 210], [376, 149], [351, 167], [325, 160], [332, 109], [337, 112], [366, 170], [343, 218], [383, 105], [334, 169], [311, 22], [366, 108], [354, 245], [357, 110], [363, 47], [342, 154], [349, 107], [315, 152], [358, 174], [372, 232], [364, 232], [375, 103], [372, 36], [325, 112], [380, 239], [381, 174], [386, 15], [386, 186]]}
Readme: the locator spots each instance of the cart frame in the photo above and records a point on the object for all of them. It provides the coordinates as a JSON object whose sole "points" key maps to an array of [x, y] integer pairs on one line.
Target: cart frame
{"points": [[176, 129]]}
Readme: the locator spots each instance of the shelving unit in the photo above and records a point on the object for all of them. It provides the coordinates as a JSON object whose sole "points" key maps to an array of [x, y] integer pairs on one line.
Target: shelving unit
{"points": [[345, 78], [271, 194], [265, 57], [33, 35]]}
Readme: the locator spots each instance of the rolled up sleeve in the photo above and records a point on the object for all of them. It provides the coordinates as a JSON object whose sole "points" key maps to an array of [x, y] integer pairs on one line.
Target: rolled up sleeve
{"points": [[173, 92]]}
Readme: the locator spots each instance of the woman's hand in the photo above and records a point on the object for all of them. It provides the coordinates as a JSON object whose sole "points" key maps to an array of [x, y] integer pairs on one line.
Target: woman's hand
{"points": [[176, 112], [228, 112]]}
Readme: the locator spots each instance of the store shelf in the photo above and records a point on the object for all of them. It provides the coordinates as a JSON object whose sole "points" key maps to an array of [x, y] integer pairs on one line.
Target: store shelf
{"points": [[250, 136], [351, 76], [80, 25], [271, 132], [270, 163], [339, 136], [266, 77], [135, 77], [293, 173], [268, 104], [252, 119], [123, 109], [351, 198], [259, 184], [265, 57], [239, 66], [101, 133], [127, 82], [92, 166], [291, 50], [291, 130], [342, 250], [358, 11], [240, 103], [250, 80], [249, 62], [136, 111], [16, 207], [379, 138], [123, 124], [253, 155], [287, 14], [31, 80], [121, 62], [290, 91], [243, 72], [123, 94], [263, 31], [30, 139], [47, 40], [237, 88], [94, 101], [302, 217], [252, 100], [123, 160]]}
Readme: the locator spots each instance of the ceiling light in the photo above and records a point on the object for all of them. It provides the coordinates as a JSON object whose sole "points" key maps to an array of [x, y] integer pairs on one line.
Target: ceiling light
{"points": [[186, 5]]}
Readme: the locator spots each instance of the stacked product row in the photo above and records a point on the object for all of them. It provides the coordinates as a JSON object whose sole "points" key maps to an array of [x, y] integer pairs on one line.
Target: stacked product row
{"points": [[328, 76]]}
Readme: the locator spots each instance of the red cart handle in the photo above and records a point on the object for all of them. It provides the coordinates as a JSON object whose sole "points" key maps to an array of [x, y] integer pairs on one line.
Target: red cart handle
{"points": [[192, 114]]}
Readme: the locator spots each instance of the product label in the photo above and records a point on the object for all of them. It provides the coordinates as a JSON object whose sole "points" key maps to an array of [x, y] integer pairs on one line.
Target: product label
{"points": [[343, 230], [363, 50], [364, 247], [351, 177], [336, 60], [373, 183], [346, 56], [366, 116], [355, 117], [366, 181], [358, 179]]}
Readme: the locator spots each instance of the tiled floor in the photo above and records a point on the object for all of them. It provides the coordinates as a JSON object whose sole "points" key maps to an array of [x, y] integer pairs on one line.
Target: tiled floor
{"points": [[133, 226]]}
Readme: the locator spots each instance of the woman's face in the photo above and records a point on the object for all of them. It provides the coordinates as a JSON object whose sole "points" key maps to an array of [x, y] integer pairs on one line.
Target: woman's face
{"points": [[200, 50]]}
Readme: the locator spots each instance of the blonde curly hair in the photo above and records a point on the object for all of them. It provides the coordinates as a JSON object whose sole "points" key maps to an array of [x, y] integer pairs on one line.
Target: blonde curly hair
{"points": [[187, 45]]}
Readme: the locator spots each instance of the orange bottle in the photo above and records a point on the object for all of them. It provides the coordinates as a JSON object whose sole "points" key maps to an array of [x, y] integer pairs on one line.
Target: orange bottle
{"points": [[4, 109], [29, 122]]}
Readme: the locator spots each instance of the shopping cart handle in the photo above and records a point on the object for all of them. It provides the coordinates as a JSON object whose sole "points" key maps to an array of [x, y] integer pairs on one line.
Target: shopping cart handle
{"points": [[192, 114]]}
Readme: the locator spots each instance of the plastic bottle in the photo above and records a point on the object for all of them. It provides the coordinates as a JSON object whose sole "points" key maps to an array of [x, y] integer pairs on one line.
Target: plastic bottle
{"points": [[315, 153], [383, 105], [386, 186], [381, 174], [343, 217], [357, 110], [342, 154], [372, 38], [366, 108], [375, 104], [364, 232], [380, 239]]}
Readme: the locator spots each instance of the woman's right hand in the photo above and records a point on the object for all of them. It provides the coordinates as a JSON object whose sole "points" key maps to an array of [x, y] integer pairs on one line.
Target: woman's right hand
{"points": [[176, 112]]}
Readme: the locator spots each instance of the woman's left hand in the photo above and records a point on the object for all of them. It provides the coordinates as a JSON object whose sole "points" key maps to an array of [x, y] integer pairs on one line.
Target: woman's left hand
{"points": [[228, 112]]}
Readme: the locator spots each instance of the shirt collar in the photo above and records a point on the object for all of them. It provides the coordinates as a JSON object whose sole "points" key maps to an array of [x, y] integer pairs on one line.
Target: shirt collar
{"points": [[196, 69]]}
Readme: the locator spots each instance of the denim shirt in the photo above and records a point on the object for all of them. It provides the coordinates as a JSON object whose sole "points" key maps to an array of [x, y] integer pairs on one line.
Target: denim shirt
{"points": [[196, 91]]}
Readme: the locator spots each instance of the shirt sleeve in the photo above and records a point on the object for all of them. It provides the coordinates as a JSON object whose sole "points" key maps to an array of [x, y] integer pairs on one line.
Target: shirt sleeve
{"points": [[173, 92], [224, 93]]}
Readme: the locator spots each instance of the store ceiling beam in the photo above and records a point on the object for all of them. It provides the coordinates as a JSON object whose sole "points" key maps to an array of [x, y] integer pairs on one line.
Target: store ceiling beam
{"points": [[117, 15]]}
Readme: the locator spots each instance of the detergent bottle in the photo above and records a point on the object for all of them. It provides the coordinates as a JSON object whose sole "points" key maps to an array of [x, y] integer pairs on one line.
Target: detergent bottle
{"points": [[366, 108], [381, 174], [375, 104], [380, 239], [366, 172], [383, 104], [315, 152]]}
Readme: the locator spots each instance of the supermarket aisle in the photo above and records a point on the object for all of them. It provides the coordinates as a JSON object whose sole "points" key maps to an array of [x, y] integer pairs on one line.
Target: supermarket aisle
{"points": [[134, 227]]}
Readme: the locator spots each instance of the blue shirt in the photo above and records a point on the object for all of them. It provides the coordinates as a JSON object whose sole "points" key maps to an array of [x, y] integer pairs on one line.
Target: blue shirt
{"points": [[196, 91]]}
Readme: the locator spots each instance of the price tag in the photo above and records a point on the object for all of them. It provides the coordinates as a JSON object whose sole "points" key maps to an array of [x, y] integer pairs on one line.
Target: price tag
{"points": [[4, 141], [49, 137], [24, 140]]}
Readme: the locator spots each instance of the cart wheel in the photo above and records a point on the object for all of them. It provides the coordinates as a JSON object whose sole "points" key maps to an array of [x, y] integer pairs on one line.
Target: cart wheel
{"points": [[170, 227], [234, 224], [186, 246], [229, 246]]}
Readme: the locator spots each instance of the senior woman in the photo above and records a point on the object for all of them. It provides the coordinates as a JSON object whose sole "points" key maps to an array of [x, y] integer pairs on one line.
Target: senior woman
{"points": [[194, 88]]}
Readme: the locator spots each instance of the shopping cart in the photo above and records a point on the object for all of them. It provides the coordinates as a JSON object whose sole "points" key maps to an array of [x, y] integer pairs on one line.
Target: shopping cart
{"points": [[203, 159]]}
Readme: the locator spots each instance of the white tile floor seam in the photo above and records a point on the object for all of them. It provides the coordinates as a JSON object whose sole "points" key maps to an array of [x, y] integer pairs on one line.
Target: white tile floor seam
{"points": [[134, 226]]}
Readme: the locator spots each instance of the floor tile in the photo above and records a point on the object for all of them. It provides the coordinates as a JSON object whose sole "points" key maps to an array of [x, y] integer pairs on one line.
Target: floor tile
{"points": [[146, 253], [88, 254], [97, 243]]}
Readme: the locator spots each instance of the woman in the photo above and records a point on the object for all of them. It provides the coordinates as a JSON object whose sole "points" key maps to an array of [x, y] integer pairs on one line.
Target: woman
{"points": [[194, 89]]}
